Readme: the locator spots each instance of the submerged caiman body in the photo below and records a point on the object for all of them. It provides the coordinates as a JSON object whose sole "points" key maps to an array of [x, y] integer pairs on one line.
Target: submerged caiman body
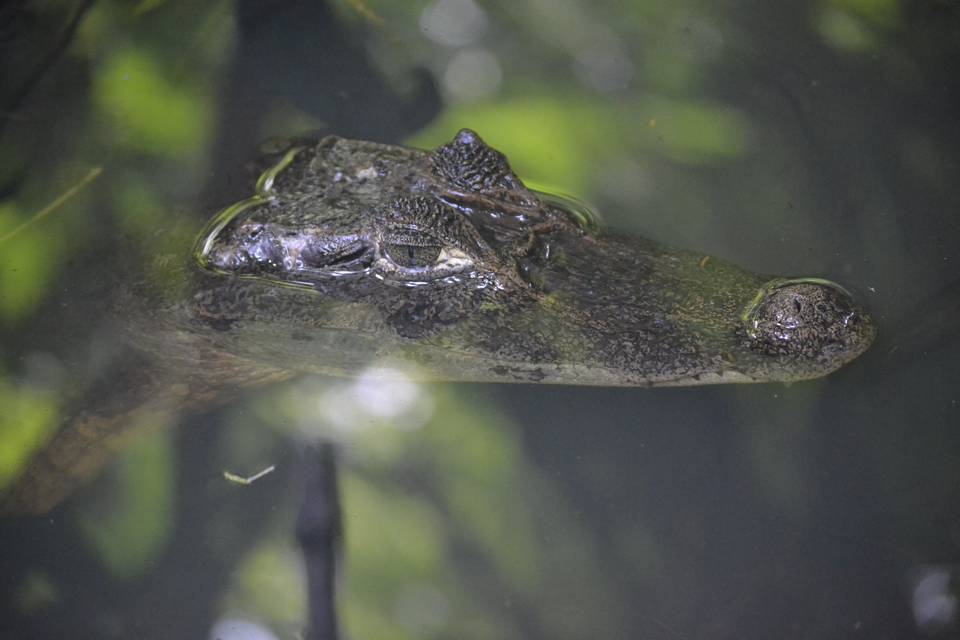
{"points": [[352, 253]]}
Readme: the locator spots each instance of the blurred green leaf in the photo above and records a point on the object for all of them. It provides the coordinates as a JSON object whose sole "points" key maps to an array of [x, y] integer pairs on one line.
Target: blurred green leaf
{"points": [[692, 132], [28, 262], [407, 547], [845, 31], [28, 419], [149, 112], [131, 527], [882, 13]]}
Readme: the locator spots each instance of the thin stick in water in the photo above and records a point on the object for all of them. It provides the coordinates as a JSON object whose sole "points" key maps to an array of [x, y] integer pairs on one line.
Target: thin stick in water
{"points": [[56, 204]]}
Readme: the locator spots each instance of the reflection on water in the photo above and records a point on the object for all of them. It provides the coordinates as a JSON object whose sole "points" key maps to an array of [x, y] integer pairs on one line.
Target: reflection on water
{"points": [[935, 598], [805, 137], [380, 393], [230, 629]]}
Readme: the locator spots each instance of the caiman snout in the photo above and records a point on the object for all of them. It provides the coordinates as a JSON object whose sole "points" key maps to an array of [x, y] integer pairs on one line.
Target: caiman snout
{"points": [[807, 318]]}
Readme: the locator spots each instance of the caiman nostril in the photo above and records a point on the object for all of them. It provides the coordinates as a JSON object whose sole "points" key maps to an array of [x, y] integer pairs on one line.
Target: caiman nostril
{"points": [[807, 318]]}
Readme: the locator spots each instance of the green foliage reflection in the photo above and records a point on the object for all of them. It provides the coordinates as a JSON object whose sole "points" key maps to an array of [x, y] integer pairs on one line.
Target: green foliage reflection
{"points": [[129, 526], [27, 420], [148, 111], [28, 264]]}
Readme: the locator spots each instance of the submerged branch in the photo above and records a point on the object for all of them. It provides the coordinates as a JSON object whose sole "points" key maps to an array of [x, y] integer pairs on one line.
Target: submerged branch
{"points": [[56, 204]]}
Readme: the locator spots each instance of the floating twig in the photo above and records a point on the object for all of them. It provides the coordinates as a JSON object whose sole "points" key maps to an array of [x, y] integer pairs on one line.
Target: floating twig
{"points": [[234, 478], [56, 204]]}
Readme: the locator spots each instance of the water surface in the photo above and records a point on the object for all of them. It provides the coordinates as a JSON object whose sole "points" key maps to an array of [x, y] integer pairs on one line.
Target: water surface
{"points": [[814, 138]]}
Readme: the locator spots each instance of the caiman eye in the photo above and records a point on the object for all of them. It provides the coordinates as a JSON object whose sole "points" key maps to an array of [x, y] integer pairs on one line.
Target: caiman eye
{"points": [[412, 256], [417, 257]]}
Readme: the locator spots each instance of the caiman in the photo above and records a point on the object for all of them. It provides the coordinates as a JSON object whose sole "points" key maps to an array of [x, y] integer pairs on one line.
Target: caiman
{"points": [[352, 252]]}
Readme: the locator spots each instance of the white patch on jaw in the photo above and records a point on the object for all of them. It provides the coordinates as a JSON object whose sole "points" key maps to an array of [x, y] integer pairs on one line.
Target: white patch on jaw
{"points": [[367, 173], [454, 259], [293, 248]]}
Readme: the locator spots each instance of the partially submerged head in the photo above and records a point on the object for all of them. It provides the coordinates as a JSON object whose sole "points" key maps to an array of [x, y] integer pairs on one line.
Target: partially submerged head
{"points": [[445, 257]]}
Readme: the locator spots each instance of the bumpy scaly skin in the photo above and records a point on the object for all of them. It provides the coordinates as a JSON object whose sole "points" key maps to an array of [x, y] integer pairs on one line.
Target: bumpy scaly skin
{"points": [[446, 259]]}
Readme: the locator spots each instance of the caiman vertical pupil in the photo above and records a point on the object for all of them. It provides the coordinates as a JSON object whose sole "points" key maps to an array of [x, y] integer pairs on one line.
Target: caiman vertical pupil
{"points": [[412, 256]]}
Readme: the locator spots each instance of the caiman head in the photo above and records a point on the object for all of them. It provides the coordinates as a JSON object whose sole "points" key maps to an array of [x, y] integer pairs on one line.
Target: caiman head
{"points": [[352, 252]]}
